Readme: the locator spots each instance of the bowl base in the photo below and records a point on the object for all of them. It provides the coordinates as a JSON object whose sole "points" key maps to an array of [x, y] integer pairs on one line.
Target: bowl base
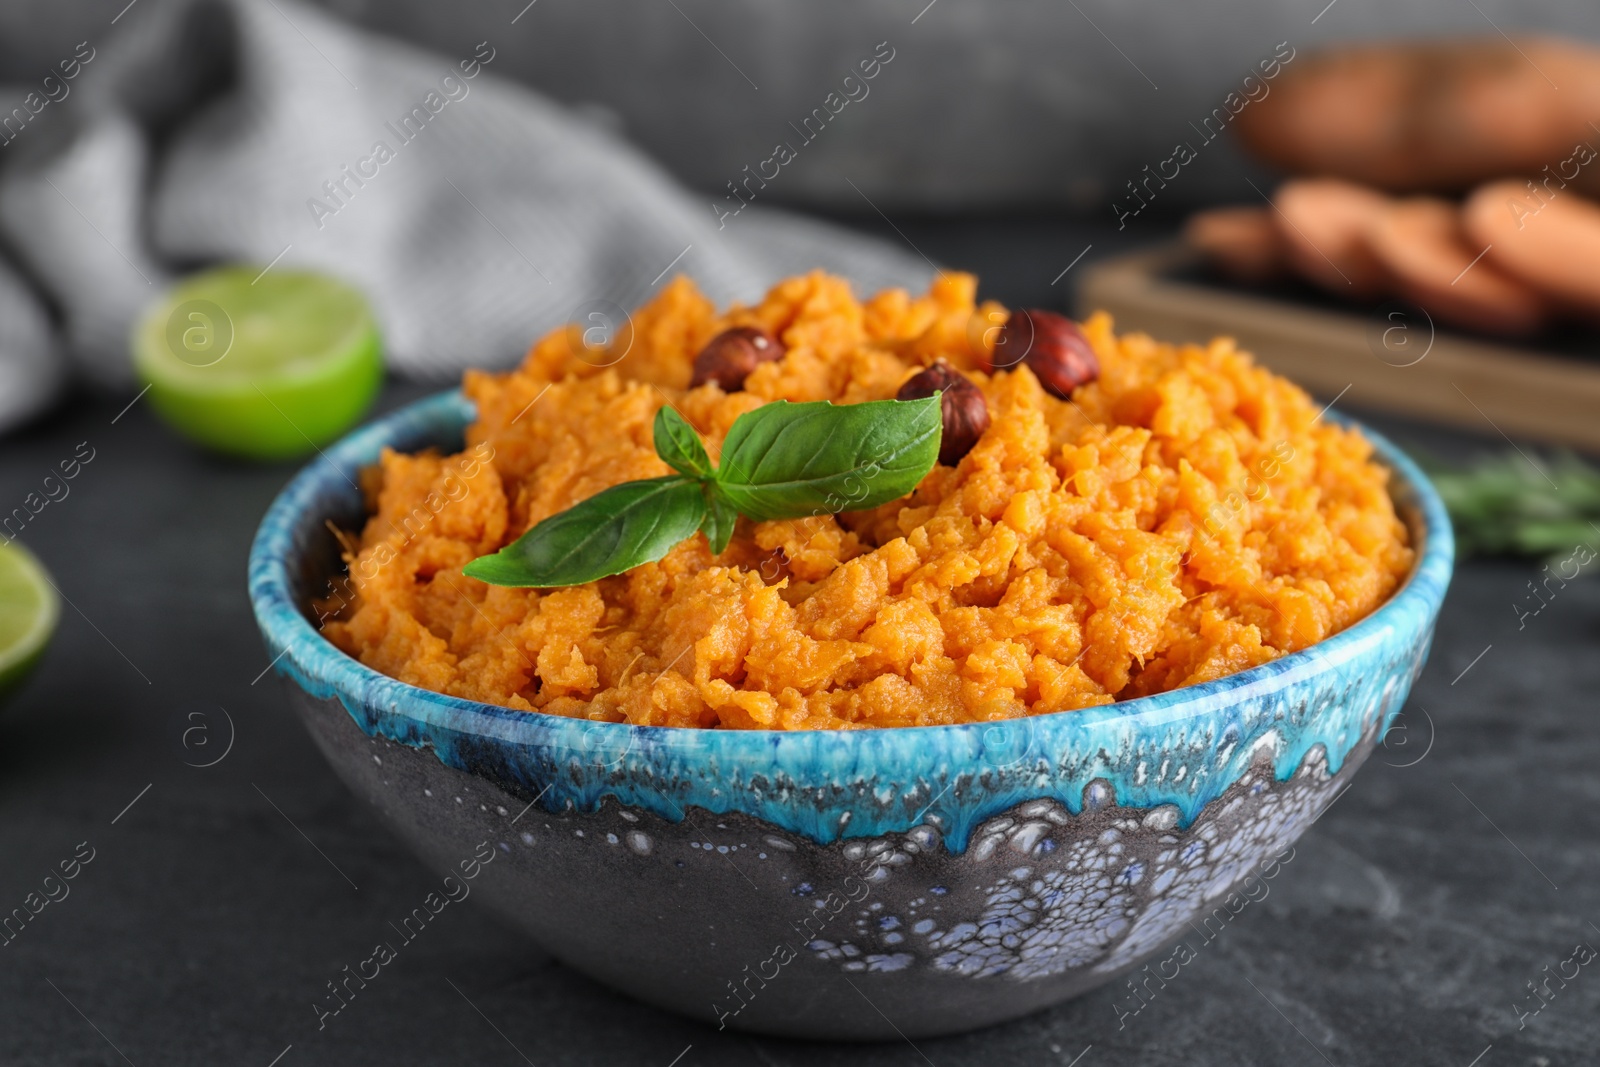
{"points": [[870, 938]]}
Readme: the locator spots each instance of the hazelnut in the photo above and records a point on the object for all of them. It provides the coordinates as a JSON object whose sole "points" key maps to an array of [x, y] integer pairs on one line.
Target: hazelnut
{"points": [[730, 356], [1052, 346], [966, 412]]}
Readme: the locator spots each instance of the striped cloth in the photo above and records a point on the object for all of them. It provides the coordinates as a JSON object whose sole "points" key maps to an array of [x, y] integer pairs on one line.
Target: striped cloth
{"points": [[474, 213]]}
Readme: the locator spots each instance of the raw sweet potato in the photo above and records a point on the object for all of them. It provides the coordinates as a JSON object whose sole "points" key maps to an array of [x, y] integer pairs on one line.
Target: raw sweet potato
{"points": [[1424, 245], [1549, 239], [1243, 242], [1324, 223], [1435, 116]]}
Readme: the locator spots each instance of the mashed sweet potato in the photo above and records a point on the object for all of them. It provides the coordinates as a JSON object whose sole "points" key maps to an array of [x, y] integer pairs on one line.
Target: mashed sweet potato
{"points": [[1186, 516]]}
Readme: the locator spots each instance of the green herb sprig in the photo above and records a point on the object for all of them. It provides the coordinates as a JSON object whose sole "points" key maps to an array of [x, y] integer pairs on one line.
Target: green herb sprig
{"points": [[780, 461], [1505, 505]]}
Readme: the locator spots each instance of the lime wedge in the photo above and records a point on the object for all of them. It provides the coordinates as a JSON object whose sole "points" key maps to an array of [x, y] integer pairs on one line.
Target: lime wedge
{"points": [[263, 365], [28, 612]]}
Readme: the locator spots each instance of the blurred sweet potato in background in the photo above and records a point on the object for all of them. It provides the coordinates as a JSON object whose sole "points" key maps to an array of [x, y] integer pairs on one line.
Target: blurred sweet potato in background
{"points": [[1552, 243], [1431, 116], [1325, 223], [1424, 247], [1507, 121], [1243, 242]]}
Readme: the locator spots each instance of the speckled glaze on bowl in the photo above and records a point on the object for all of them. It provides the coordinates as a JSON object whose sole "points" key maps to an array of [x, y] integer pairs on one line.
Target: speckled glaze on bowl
{"points": [[838, 884]]}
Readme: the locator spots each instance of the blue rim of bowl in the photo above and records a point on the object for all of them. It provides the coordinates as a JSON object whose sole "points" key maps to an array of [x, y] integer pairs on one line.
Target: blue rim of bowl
{"points": [[462, 731]]}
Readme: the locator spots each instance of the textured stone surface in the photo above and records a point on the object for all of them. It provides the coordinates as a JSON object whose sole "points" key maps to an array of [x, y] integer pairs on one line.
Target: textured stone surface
{"points": [[1402, 931]]}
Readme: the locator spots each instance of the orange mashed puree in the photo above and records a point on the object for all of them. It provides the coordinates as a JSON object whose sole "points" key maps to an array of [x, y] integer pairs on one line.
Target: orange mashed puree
{"points": [[1186, 516]]}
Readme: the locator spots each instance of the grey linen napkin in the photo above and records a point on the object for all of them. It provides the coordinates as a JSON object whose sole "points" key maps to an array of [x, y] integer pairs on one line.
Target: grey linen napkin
{"points": [[474, 213]]}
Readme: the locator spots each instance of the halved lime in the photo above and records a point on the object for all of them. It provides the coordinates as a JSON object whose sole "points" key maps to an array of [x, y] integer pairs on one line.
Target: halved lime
{"points": [[29, 608], [266, 365]]}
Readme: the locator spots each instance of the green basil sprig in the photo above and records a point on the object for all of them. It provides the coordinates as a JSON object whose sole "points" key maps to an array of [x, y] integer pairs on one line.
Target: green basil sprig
{"points": [[780, 461]]}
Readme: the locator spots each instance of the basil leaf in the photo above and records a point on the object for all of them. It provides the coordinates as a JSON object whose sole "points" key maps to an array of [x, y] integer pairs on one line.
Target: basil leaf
{"points": [[679, 445], [719, 521], [788, 461], [780, 461], [611, 532]]}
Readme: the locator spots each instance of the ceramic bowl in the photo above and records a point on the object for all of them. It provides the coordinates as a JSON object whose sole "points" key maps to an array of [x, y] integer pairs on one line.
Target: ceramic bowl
{"points": [[861, 884]]}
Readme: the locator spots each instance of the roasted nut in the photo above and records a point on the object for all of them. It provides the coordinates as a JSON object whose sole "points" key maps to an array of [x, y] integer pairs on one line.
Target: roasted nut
{"points": [[966, 412], [730, 356], [1052, 346]]}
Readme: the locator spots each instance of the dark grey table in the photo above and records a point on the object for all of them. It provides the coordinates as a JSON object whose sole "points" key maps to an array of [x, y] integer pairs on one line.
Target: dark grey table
{"points": [[1404, 931]]}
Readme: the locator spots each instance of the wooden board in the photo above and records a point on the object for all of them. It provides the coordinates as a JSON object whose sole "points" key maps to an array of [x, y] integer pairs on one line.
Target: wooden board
{"points": [[1391, 359]]}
